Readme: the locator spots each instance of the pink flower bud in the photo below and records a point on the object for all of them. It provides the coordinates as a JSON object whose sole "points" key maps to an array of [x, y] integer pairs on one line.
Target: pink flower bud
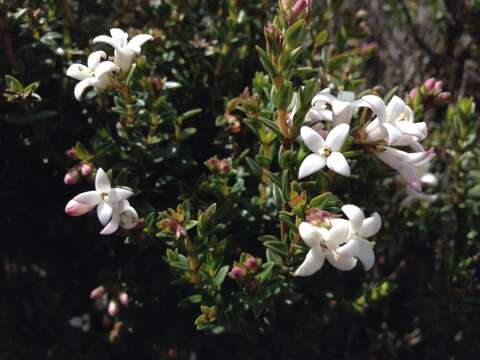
{"points": [[438, 85], [71, 177], [413, 93], [97, 293], [123, 298], [298, 7], [251, 263], [444, 96], [86, 169], [75, 208], [224, 167], [236, 273], [72, 153], [113, 308], [429, 84]]}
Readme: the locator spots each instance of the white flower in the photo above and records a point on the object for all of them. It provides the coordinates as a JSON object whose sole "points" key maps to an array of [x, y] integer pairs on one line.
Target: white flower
{"points": [[98, 74], [359, 230], [407, 164], [325, 152], [323, 244], [123, 215], [104, 197], [395, 124], [125, 51], [342, 107]]}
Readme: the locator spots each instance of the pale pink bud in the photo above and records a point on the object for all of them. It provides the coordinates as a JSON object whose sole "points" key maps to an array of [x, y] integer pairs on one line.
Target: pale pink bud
{"points": [[251, 263], [444, 96], [123, 298], [75, 208], [438, 85], [224, 167], [113, 308], [413, 93], [72, 153], [236, 273], [429, 84], [71, 177], [97, 293], [86, 169], [298, 7]]}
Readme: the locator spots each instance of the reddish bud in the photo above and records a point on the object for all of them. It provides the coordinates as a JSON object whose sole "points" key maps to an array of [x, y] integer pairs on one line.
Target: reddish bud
{"points": [[444, 96], [71, 177], [75, 208], [97, 293], [429, 84], [113, 308], [72, 153], [413, 93], [298, 7], [123, 298], [251, 263], [224, 167], [86, 169], [236, 273]]}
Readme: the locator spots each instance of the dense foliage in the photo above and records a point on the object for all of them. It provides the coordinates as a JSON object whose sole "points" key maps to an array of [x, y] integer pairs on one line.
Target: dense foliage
{"points": [[232, 129]]}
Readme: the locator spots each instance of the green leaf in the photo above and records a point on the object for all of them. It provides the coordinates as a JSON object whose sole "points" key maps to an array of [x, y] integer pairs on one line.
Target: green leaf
{"points": [[266, 62], [283, 97], [321, 38], [264, 238], [13, 83], [82, 152], [295, 34], [278, 247], [221, 274], [263, 275], [320, 201], [271, 125]]}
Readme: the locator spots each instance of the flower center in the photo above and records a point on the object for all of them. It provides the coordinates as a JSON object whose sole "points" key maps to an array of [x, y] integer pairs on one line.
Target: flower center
{"points": [[326, 151], [105, 196]]}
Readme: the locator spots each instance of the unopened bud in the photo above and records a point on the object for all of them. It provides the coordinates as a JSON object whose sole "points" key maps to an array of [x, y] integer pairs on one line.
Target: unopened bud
{"points": [[123, 298], [74, 208], [298, 7], [438, 85], [250, 285], [71, 177], [72, 153], [429, 84], [413, 93], [236, 273], [224, 166], [251, 263], [97, 293], [86, 169], [444, 96], [113, 308]]}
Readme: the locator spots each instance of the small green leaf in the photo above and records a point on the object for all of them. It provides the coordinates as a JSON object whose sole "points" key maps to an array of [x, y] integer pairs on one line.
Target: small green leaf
{"points": [[221, 274], [320, 201]]}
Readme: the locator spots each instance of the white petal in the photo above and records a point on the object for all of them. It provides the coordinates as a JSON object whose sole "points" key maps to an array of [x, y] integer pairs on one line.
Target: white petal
{"points": [[318, 115], [429, 179], [119, 36], [375, 104], [91, 198], [104, 68], [336, 137], [392, 132], [342, 263], [119, 194], [395, 108], [107, 40], [312, 263], [129, 218], [136, 42], [347, 96], [337, 162], [342, 112], [355, 215], [78, 72], [102, 182], [311, 235], [323, 97], [337, 235], [124, 58], [104, 212], [112, 226], [82, 86], [312, 139], [350, 249], [419, 130], [311, 164], [371, 225], [95, 58], [365, 254]]}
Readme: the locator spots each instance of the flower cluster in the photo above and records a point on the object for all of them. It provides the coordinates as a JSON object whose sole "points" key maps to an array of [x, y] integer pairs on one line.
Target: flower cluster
{"points": [[391, 128], [113, 208], [102, 72]]}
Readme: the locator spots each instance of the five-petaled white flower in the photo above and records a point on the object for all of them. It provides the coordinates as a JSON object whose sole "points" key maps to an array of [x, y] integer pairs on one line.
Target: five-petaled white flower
{"points": [[360, 228], [325, 152], [104, 197], [323, 244], [98, 74], [125, 51]]}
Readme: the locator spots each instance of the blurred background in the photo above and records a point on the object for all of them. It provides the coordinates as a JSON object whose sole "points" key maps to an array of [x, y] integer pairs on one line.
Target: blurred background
{"points": [[51, 262]]}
